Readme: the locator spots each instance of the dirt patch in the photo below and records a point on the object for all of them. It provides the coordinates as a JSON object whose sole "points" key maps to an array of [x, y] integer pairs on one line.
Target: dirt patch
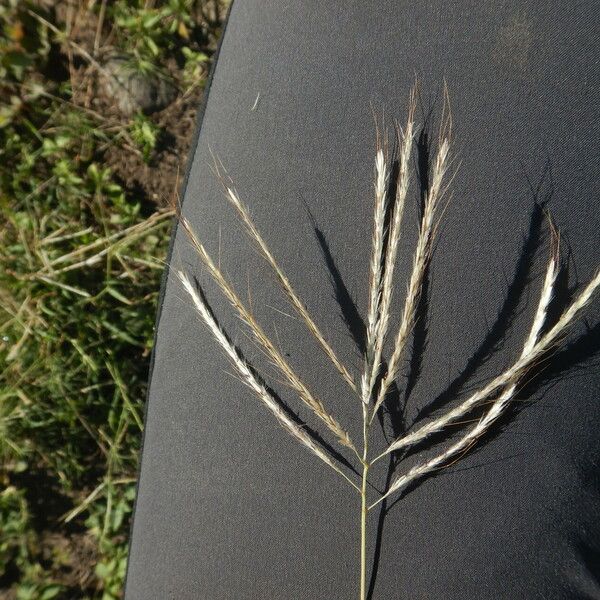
{"points": [[73, 559], [153, 179], [158, 181]]}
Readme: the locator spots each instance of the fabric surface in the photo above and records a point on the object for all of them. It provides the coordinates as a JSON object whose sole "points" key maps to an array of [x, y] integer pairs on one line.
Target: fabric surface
{"points": [[229, 505]]}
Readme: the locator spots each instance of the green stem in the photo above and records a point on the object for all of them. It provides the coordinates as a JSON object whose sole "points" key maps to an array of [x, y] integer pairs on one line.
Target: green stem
{"points": [[364, 507], [363, 532]]}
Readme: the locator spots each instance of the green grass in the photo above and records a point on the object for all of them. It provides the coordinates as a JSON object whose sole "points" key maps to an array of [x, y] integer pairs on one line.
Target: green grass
{"points": [[81, 257]]}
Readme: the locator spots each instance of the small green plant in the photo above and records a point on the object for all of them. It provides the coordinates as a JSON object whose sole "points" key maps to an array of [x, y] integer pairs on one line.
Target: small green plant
{"points": [[196, 66], [107, 518], [111, 571], [38, 591], [17, 537], [149, 30], [18, 548], [145, 134]]}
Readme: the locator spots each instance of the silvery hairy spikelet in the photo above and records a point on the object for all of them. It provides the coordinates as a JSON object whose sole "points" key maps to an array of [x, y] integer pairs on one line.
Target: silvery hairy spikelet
{"points": [[371, 386]]}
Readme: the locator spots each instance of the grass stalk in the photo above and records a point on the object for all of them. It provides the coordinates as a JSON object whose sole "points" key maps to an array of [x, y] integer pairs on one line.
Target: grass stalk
{"points": [[373, 385], [500, 404], [285, 283], [405, 143], [248, 378], [263, 339], [375, 269], [364, 511], [421, 260], [508, 377], [364, 505]]}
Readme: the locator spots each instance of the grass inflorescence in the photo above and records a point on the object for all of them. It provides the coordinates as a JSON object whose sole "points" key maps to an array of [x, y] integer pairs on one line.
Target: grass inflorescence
{"points": [[369, 388]]}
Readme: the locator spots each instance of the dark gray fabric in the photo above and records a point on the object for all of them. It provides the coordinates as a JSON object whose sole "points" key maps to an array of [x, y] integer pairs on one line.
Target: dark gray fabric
{"points": [[229, 506]]}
